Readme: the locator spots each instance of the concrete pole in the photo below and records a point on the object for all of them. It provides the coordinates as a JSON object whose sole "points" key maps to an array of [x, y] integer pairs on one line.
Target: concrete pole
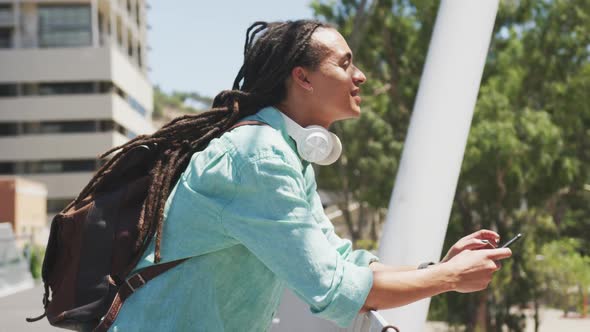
{"points": [[426, 181]]}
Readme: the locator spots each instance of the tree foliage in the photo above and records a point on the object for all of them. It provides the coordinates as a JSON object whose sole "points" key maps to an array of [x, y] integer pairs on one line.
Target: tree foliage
{"points": [[178, 102], [525, 167]]}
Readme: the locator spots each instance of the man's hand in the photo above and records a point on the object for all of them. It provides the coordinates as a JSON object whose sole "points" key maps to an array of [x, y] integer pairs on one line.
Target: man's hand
{"points": [[473, 242], [473, 269]]}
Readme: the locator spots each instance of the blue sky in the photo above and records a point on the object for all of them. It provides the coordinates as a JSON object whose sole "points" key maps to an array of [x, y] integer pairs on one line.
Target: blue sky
{"points": [[197, 45]]}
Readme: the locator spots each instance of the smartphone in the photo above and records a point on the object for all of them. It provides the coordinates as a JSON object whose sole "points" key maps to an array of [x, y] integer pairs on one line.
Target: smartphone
{"points": [[514, 239], [507, 244]]}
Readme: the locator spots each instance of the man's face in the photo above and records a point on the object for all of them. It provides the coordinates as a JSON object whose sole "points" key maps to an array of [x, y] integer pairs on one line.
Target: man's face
{"points": [[336, 81]]}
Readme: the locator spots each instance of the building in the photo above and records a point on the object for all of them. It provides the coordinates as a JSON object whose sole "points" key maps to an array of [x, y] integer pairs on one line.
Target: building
{"points": [[73, 84], [23, 206]]}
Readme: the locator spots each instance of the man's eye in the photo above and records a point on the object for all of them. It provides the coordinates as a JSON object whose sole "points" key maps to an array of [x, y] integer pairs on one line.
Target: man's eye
{"points": [[346, 64]]}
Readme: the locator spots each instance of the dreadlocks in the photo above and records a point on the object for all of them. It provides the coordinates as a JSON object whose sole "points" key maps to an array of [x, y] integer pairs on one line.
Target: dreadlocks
{"points": [[268, 61]]}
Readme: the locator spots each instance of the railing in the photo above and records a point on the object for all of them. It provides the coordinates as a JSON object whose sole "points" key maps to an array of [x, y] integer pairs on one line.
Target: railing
{"points": [[293, 315], [371, 322]]}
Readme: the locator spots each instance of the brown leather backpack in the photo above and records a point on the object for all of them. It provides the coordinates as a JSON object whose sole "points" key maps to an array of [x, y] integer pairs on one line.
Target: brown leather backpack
{"points": [[91, 249]]}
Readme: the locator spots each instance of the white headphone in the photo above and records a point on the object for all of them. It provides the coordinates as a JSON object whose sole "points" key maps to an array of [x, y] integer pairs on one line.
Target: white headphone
{"points": [[314, 143]]}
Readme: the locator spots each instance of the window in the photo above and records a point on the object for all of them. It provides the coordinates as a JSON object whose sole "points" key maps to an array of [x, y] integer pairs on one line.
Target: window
{"points": [[32, 128], [48, 166], [79, 165], [136, 106], [6, 15], [139, 61], [8, 90], [56, 205], [64, 25], [35, 167], [119, 31], [101, 33], [57, 127], [129, 47], [5, 38], [68, 127], [8, 129], [66, 88], [138, 12], [106, 87], [59, 166], [30, 89], [107, 125], [7, 168]]}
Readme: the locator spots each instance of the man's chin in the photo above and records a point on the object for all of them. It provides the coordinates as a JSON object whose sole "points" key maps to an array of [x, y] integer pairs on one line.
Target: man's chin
{"points": [[352, 113]]}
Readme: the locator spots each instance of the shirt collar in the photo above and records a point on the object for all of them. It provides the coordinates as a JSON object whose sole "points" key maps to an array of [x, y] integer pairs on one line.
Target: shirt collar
{"points": [[273, 117]]}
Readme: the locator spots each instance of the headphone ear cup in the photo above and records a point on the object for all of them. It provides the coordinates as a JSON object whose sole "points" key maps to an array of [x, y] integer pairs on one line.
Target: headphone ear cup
{"points": [[316, 145], [334, 154]]}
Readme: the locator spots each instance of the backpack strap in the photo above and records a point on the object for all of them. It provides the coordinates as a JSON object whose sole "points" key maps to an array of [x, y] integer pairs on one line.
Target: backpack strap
{"points": [[132, 284], [246, 123]]}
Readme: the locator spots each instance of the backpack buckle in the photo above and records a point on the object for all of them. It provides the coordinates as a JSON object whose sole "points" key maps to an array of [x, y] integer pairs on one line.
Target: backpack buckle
{"points": [[136, 277]]}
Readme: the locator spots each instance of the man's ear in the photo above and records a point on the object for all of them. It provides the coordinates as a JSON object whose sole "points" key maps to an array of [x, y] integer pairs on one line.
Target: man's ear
{"points": [[299, 75]]}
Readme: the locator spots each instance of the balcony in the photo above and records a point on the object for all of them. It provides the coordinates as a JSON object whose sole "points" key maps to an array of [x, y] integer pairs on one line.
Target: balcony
{"points": [[58, 146], [56, 107], [75, 64], [69, 107]]}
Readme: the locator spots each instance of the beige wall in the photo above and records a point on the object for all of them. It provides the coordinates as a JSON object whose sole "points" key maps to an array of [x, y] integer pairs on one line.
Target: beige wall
{"points": [[125, 75], [54, 64], [55, 108], [31, 204], [24, 204], [129, 118], [64, 185], [58, 146]]}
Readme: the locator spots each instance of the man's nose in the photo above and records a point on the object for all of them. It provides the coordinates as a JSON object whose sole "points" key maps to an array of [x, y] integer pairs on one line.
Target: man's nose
{"points": [[358, 76]]}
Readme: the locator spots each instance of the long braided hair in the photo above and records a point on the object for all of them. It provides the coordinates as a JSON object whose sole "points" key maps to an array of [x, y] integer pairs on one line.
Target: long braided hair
{"points": [[268, 61]]}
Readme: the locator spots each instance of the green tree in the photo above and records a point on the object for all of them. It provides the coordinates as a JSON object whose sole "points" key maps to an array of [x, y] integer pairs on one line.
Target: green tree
{"points": [[525, 165], [176, 103], [563, 270]]}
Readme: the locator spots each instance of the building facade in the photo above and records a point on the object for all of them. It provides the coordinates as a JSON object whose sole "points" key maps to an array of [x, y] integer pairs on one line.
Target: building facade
{"points": [[73, 84]]}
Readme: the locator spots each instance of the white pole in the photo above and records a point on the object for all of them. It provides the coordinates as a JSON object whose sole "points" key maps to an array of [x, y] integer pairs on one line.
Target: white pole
{"points": [[427, 178]]}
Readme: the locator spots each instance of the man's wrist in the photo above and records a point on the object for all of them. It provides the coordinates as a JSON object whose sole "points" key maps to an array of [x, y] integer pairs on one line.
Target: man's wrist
{"points": [[448, 275]]}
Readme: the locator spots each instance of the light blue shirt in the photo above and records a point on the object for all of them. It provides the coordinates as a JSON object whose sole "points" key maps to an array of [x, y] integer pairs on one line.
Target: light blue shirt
{"points": [[247, 211]]}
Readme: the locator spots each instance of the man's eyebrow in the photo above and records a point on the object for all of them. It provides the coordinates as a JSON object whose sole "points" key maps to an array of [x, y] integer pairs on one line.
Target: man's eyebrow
{"points": [[347, 56]]}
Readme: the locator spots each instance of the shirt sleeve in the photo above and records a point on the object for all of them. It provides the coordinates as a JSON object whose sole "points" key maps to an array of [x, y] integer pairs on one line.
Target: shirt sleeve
{"points": [[359, 257], [271, 216], [344, 246]]}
